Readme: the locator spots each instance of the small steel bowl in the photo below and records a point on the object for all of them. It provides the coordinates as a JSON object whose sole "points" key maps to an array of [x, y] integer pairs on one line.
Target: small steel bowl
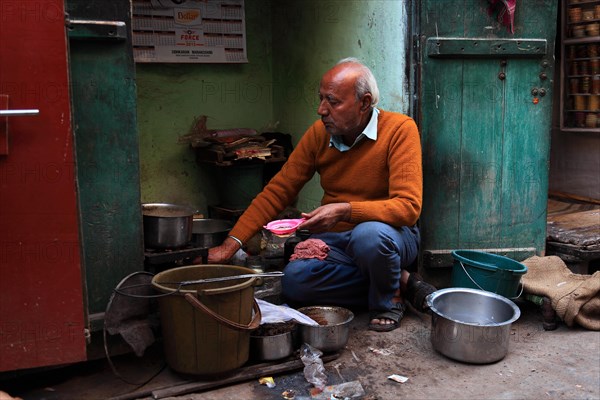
{"points": [[269, 348], [334, 326]]}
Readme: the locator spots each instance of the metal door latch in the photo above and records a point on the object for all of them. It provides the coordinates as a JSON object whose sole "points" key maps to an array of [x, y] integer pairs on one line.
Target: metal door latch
{"points": [[4, 113]]}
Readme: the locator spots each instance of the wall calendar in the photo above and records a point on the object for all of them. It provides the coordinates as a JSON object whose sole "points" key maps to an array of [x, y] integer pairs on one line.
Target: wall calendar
{"points": [[189, 31]]}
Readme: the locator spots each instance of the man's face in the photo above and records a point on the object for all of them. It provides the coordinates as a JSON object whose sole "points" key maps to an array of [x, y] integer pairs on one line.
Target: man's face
{"points": [[341, 112]]}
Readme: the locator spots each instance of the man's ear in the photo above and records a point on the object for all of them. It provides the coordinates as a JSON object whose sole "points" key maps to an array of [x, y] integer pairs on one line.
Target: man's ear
{"points": [[366, 102]]}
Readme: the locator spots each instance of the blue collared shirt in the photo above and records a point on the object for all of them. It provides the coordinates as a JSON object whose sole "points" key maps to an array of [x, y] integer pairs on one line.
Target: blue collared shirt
{"points": [[370, 132]]}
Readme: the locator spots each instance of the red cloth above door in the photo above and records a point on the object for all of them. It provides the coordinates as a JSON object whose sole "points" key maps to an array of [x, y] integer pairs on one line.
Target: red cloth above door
{"points": [[505, 12]]}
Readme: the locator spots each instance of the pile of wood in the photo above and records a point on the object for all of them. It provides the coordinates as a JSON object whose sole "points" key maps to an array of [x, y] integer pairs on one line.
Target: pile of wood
{"points": [[225, 147], [226, 150]]}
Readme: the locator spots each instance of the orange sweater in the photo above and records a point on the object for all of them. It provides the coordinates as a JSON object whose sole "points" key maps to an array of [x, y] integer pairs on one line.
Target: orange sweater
{"points": [[382, 180]]}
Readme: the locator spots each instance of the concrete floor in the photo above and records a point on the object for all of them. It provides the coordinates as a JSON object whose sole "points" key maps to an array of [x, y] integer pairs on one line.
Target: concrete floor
{"points": [[560, 364]]}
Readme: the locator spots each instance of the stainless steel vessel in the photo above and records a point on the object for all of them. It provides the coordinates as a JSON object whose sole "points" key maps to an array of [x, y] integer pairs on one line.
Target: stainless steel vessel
{"points": [[275, 347], [167, 226], [333, 330], [471, 325], [210, 232]]}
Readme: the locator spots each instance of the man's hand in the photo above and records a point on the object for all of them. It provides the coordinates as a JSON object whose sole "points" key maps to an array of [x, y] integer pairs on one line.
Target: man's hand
{"points": [[221, 254], [326, 217]]}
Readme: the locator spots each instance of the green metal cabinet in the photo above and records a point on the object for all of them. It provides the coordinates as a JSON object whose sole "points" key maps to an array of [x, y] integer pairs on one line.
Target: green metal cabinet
{"points": [[485, 115]]}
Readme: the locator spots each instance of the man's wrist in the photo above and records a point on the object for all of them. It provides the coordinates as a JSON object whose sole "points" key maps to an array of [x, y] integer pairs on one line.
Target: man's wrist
{"points": [[347, 212], [238, 241]]}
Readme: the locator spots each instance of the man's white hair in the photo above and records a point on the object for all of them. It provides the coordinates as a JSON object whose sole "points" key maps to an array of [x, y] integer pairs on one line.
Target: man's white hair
{"points": [[366, 82]]}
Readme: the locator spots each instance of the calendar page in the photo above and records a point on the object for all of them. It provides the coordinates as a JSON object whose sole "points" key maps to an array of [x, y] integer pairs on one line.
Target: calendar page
{"points": [[189, 31]]}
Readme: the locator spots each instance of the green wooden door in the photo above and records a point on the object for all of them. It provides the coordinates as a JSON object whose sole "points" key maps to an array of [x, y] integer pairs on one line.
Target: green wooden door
{"points": [[107, 148], [485, 117]]}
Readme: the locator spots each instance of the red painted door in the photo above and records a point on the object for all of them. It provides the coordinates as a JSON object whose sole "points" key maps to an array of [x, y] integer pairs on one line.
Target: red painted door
{"points": [[41, 301]]}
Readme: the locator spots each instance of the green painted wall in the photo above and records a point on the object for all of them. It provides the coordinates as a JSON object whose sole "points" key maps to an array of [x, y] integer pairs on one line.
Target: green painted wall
{"points": [[290, 45], [310, 36], [170, 96]]}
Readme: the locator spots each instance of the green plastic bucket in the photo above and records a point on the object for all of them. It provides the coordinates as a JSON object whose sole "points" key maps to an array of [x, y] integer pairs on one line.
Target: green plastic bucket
{"points": [[485, 271], [206, 326]]}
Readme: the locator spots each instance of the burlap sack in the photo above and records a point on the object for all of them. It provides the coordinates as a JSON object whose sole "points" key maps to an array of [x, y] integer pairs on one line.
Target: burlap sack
{"points": [[574, 297]]}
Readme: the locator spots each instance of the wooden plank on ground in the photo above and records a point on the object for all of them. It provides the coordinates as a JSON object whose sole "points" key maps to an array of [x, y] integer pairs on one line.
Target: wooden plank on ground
{"points": [[245, 374]]}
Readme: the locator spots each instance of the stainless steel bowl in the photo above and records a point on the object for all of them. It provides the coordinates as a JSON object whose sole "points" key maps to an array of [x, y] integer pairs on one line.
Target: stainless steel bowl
{"points": [[471, 325], [333, 330], [275, 347], [210, 232]]}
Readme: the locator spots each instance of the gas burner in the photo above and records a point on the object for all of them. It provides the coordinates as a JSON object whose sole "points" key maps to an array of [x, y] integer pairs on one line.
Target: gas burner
{"points": [[177, 257]]}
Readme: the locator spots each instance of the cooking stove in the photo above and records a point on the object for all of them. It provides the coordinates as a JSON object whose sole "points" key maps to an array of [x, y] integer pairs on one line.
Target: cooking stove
{"points": [[156, 260]]}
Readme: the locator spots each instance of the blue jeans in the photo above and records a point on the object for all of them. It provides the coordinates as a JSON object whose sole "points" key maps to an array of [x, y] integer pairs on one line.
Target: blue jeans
{"points": [[361, 270]]}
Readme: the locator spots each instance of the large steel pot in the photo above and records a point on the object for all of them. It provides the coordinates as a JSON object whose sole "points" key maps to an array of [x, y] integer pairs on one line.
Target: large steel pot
{"points": [[471, 325], [209, 233], [167, 226]]}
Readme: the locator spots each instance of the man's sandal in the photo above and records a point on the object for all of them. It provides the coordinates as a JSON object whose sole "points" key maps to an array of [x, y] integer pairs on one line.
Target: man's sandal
{"points": [[395, 314], [416, 292]]}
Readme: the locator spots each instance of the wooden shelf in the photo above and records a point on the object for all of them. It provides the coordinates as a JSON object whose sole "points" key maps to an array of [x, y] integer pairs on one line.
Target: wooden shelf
{"points": [[582, 59], [583, 3], [570, 129], [581, 54], [581, 40], [585, 21]]}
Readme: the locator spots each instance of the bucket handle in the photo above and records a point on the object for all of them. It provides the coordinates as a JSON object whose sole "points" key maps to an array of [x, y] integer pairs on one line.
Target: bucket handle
{"points": [[197, 304], [476, 284]]}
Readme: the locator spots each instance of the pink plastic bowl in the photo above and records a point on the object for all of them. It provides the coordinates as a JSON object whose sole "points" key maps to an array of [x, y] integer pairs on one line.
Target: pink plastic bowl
{"points": [[284, 226]]}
